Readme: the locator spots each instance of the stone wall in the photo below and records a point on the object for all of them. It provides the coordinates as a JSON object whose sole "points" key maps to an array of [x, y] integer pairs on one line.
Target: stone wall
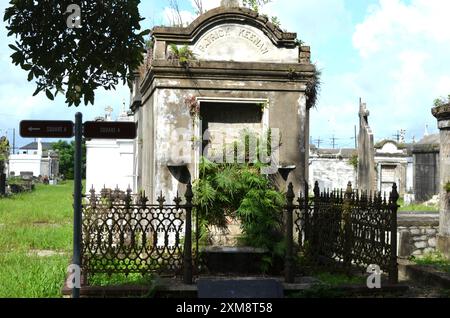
{"points": [[417, 234]]}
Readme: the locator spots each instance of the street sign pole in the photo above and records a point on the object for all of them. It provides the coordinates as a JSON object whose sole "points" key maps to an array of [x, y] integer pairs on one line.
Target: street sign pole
{"points": [[90, 130], [77, 225]]}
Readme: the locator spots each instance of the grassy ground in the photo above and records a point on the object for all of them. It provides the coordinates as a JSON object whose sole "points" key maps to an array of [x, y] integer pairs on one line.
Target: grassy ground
{"points": [[31, 224], [434, 259], [416, 207]]}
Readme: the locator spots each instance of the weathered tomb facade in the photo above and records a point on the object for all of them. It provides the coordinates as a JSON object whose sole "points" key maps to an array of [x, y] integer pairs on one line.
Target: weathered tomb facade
{"points": [[246, 74], [394, 164], [426, 168]]}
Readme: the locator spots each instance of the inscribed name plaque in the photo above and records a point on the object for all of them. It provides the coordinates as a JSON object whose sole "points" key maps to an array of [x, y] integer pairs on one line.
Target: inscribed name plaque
{"points": [[241, 43]]}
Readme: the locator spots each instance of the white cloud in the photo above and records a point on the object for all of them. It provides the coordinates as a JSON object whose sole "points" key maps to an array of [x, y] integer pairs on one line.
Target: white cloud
{"points": [[315, 21], [394, 22], [403, 48]]}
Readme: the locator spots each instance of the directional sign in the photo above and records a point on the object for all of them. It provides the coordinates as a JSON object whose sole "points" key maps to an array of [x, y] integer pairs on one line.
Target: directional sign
{"points": [[109, 130], [46, 129]]}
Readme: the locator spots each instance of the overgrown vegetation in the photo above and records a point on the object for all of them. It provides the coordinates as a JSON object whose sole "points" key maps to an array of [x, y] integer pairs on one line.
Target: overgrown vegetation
{"points": [[313, 89], [434, 259], [240, 191], [183, 54], [353, 161], [19, 185], [442, 101], [447, 187]]}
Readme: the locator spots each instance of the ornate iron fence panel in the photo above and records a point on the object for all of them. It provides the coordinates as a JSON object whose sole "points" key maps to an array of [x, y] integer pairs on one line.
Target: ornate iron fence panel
{"points": [[348, 229], [124, 234], [371, 221]]}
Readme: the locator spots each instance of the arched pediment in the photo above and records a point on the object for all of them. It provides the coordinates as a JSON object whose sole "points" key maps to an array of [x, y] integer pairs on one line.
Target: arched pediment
{"points": [[233, 34]]}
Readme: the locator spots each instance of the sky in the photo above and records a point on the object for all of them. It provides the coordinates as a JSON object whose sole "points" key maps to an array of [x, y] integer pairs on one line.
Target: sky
{"points": [[394, 54]]}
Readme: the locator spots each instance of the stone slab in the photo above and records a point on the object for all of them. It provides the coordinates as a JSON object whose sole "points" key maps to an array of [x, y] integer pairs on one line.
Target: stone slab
{"points": [[240, 289]]}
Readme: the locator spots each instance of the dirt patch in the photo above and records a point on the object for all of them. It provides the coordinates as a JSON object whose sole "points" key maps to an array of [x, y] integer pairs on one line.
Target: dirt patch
{"points": [[44, 253], [45, 223]]}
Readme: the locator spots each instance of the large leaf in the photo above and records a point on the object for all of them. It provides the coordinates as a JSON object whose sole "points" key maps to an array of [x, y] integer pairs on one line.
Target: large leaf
{"points": [[103, 52]]}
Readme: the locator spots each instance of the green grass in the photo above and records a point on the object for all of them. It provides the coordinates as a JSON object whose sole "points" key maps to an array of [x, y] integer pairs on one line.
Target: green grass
{"points": [[416, 207], [121, 279], [24, 276], [41, 220], [434, 259], [329, 286], [336, 280]]}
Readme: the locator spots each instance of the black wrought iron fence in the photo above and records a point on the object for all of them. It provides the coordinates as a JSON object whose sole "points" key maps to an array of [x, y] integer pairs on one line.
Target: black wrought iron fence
{"points": [[338, 229], [122, 233]]}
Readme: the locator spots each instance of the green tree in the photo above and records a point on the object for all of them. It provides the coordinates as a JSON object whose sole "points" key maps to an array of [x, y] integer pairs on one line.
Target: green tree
{"points": [[75, 61], [4, 152], [66, 153]]}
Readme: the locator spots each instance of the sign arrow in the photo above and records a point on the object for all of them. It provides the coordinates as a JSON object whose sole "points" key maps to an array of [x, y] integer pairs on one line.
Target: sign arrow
{"points": [[46, 129]]}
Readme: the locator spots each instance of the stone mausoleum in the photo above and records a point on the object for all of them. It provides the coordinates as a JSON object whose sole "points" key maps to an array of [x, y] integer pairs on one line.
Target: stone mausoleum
{"points": [[246, 73]]}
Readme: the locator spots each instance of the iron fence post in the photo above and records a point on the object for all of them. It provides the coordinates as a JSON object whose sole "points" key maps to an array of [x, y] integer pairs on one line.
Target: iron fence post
{"points": [[347, 228], [187, 259], [306, 213], [314, 248], [77, 220], [393, 273], [2, 181], [288, 265]]}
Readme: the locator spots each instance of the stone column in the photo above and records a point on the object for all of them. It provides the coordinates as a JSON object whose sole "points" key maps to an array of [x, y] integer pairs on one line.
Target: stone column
{"points": [[442, 113]]}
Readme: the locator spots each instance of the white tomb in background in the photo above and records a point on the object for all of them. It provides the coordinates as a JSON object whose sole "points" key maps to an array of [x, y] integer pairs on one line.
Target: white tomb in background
{"points": [[110, 163]]}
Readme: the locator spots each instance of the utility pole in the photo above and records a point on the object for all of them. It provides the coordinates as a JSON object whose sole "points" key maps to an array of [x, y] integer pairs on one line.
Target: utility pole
{"points": [[318, 143], [333, 140], [397, 136], [356, 139], [14, 141]]}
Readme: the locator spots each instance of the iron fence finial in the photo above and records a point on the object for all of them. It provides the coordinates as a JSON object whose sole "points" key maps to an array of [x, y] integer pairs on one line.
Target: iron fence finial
{"points": [[161, 199], [316, 189], [189, 195], [394, 194], [177, 200], [349, 191]]}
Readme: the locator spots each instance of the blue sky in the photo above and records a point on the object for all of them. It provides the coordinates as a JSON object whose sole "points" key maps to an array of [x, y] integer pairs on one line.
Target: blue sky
{"points": [[391, 53]]}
